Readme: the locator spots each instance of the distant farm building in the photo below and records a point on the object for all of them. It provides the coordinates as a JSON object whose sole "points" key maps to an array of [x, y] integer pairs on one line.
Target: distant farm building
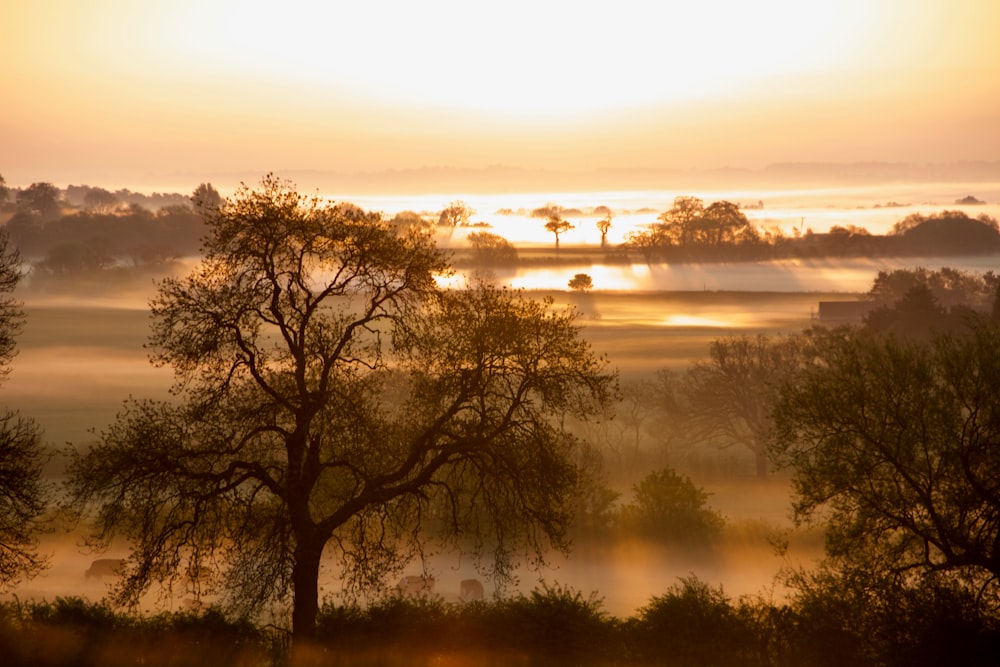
{"points": [[844, 311]]}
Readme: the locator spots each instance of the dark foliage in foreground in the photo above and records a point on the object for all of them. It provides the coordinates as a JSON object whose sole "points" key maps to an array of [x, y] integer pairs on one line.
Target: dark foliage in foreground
{"points": [[835, 619]]}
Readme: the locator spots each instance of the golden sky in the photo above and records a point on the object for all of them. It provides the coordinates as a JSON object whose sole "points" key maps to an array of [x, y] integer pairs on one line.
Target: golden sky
{"points": [[106, 92]]}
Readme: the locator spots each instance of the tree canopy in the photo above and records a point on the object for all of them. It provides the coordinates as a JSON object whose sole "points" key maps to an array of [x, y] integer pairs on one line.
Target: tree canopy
{"points": [[332, 399], [895, 443]]}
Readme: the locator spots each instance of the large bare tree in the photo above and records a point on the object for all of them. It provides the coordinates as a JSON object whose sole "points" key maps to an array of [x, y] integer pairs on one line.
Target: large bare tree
{"points": [[333, 400]]}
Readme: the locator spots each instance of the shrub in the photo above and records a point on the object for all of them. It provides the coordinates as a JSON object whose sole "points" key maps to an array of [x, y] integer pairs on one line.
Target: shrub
{"points": [[668, 507]]}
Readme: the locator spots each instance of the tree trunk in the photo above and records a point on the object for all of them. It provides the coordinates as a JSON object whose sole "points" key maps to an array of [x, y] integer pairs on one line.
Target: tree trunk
{"points": [[305, 593]]}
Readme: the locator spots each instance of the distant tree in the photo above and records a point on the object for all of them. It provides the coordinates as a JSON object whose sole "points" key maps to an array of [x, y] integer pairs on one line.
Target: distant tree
{"points": [[11, 315], [206, 199], [22, 494], [406, 221], [916, 314], [680, 224], [969, 200], [723, 223], [456, 214], [557, 226], [548, 211], [647, 242], [490, 249], [893, 445], [4, 191], [334, 397], [604, 226], [581, 282], [41, 199], [138, 212], [100, 201], [728, 398], [949, 287], [69, 258], [948, 232], [668, 506]]}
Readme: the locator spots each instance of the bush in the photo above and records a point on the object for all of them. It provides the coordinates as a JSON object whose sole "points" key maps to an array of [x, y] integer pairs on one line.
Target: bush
{"points": [[692, 624], [668, 507]]}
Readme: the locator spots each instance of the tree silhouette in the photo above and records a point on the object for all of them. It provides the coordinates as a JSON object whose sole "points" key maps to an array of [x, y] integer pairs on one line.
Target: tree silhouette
{"points": [[41, 199], [894, 443], [604, 226], [456, 214], [728, 398], [206, 198], [22, 498], [581, 282], [557, 226], [335, 399], [100, 201]]}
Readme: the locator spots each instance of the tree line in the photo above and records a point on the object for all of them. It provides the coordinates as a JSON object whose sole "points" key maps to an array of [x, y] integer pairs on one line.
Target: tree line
{"points": [[690, 230]]}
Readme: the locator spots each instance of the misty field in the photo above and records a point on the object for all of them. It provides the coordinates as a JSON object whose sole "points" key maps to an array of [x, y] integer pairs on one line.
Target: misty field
{"points": [[78, 361]]}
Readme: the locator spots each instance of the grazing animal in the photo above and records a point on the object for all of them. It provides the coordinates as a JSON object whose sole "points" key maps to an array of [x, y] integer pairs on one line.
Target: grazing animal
{"points": [[104, 567], [415, 585], [470, 590]]}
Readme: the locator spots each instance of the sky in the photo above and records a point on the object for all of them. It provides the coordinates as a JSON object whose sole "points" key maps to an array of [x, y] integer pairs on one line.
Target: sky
{"points": [[114, 92]]}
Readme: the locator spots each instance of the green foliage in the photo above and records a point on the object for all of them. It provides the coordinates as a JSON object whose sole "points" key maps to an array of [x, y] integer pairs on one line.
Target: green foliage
{"points": [[668, 507]]}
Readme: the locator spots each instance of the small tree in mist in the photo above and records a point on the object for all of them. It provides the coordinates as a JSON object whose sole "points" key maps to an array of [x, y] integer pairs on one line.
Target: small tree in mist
{"points": [[668, 507], [490, 250], [333, 398], [206, 199], [728, 399], [581, 282], [100, 201], [604, 224], [40, 199], [557, 226], [455, 214]]}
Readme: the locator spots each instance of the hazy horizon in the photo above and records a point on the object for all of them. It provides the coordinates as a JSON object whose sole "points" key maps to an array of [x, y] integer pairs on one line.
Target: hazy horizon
{"points": [[183, 90]]}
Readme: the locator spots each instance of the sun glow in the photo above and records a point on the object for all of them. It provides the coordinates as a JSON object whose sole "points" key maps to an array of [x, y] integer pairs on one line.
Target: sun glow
{"points": [[679, 320], [526, 57]]}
